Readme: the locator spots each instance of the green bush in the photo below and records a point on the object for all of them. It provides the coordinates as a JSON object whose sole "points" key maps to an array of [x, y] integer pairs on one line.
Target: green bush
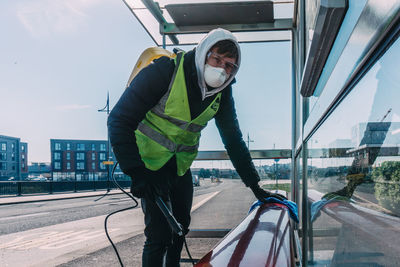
{"points": [[284, 187], [387, 184]]}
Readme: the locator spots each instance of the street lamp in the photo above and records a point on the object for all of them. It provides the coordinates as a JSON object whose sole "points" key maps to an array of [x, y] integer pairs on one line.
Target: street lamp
{"points": [[108, 162], [248, 141]]}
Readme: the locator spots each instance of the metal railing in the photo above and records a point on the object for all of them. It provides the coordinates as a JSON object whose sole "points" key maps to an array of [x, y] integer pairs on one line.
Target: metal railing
{"points": [[19, 188]]}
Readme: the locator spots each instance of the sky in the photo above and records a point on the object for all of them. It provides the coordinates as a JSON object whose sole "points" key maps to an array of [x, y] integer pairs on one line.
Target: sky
{"points": [[58, 60]]}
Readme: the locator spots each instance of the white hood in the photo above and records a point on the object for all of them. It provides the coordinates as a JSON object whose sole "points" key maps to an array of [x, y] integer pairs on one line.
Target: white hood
{"points": [[202, 49]]}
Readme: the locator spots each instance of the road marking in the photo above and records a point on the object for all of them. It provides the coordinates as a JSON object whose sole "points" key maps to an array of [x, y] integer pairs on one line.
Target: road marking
{"points": [[23, 216], [77, 239], [195, 207], [54, 240], [20, 240], [35, 241]]}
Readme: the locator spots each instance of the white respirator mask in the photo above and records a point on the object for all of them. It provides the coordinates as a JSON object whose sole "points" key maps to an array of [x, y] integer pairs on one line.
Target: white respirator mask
{"points": [[214, 76]]}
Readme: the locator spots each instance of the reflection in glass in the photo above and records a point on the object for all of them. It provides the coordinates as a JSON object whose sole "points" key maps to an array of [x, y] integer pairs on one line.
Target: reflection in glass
{"points": [[354, 172]]}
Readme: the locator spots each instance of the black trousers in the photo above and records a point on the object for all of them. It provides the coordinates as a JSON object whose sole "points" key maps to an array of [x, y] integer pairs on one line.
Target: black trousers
{"points": [[162, 247]]}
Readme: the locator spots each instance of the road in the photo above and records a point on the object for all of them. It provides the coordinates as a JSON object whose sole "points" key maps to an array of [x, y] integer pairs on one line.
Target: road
{"points": [[70, 232]]}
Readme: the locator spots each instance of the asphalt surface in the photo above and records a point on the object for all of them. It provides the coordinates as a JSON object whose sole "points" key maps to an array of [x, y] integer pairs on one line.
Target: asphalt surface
{"points": [[224, 211], [26, 216], [219, 205]]}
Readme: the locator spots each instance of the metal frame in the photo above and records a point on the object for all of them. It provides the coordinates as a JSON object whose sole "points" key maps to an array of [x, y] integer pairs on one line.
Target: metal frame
{"points": [[327, 24], [278, 25], [319, 52], [207, 233], [255, 154], [171, 30], [156, 12]]}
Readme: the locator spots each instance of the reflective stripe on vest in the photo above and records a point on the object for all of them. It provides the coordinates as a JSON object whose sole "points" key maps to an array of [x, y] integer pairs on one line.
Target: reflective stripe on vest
{"points": [[191, 127], [168, 129], [164, 141]]}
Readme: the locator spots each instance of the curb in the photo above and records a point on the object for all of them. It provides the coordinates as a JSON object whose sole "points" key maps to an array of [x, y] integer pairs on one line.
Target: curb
{"points": [[21, 201]]}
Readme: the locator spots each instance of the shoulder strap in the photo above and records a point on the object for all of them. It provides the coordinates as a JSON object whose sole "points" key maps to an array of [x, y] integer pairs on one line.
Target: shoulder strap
{"points": [[160, 107]]}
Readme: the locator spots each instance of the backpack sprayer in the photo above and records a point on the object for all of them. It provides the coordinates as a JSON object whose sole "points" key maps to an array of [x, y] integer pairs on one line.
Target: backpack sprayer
{"points": [[173, 223]]}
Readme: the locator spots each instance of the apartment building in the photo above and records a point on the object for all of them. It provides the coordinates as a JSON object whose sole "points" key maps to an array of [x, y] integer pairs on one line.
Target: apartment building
{"points": [[80, 160], [13, 158]]}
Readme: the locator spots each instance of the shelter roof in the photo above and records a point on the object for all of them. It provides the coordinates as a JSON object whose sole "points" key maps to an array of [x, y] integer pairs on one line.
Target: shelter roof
{"points": [[187, 21]]}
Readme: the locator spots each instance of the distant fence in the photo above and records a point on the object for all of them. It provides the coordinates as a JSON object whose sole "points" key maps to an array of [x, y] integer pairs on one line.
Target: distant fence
{"points": [[20, 188]]}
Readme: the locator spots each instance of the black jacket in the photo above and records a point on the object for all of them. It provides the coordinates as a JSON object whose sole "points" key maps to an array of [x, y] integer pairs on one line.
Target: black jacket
{"points": [[144, 93]]}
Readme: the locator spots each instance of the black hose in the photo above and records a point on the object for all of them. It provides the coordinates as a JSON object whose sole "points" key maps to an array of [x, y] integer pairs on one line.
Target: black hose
{"points": [[112, 213], [124, 209], [108, 236], [187, 250]]}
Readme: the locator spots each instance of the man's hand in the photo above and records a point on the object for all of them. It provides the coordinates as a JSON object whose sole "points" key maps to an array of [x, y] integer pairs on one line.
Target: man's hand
{"points": [[147, 183], [261, 194]]}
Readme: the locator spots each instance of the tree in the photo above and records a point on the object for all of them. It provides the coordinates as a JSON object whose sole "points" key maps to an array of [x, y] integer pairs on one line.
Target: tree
{"points": [[215, 172], [205, 173], [387, 184]]}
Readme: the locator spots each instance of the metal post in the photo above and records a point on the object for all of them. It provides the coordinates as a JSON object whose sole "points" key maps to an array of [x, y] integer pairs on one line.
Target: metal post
{"points": [[108, 147], [276, 175], [249, 141], [109, 158], [75, 185], [304, 207], [17, 149], [19, 188], [163, 41], [301, 42], [294, 174]]}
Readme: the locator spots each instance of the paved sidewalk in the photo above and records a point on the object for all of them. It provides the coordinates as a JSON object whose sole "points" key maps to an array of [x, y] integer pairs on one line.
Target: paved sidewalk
{"points": [[83, 242], [57, 196]]}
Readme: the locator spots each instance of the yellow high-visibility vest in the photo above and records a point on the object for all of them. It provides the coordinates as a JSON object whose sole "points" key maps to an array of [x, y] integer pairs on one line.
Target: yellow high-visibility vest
{"points": [[168, 128]]}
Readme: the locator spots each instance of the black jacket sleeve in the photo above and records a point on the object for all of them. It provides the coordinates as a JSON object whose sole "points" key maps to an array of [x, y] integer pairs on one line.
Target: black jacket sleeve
{"points": [[228, 126], [144, 92]]}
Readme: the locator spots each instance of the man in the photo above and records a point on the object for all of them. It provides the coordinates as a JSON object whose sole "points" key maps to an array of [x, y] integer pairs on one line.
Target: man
{"points": [[155, 130]]}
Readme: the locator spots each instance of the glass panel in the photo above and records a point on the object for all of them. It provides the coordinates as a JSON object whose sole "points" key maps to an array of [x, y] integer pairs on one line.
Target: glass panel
{"points": [[374, 18], [3, 166], [102, 166], [282, 10], [262, 99], [57, 146], [57, 165], [80, 156], [352, 15], [354, 174], [80, 147]]}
